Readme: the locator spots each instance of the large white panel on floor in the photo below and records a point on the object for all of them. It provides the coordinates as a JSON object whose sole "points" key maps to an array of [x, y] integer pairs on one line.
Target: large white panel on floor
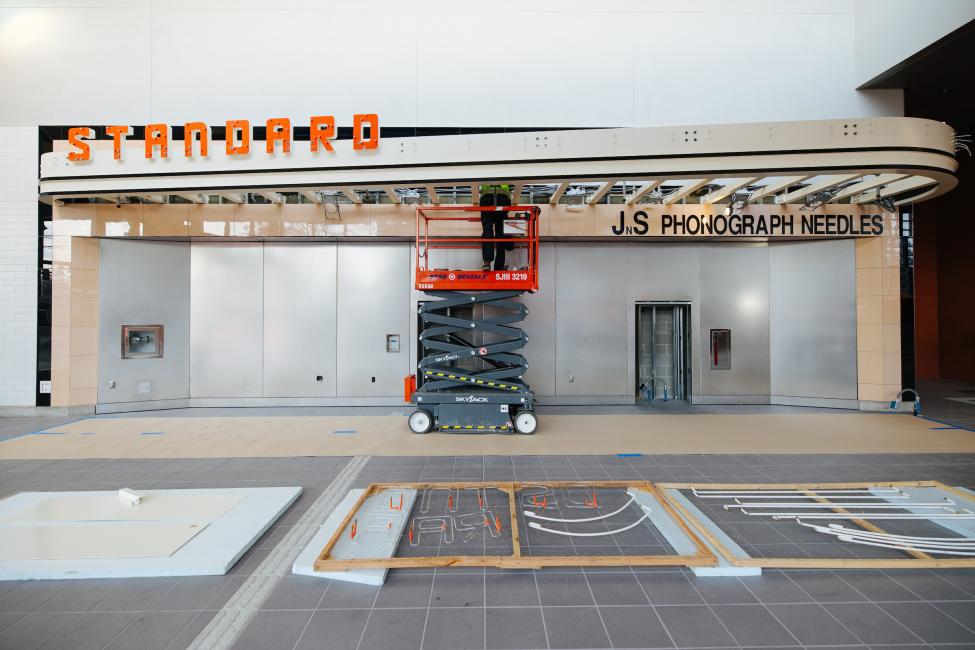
{"points": [[373, 302], [108, 506], [165, 544], [96, 542], [226, 320], [591, 344], [814, 349], [299, 320]]}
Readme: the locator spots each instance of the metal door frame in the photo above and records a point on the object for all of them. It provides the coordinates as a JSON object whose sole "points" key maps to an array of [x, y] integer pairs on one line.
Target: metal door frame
{"points": [[682, 344]]}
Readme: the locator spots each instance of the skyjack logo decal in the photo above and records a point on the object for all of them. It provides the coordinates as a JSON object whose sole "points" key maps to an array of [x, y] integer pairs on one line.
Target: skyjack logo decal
{"points": [[197, 136], [470, 398]]}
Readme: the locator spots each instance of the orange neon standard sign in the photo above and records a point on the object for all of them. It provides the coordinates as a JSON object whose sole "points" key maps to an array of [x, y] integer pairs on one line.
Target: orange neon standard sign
{"points": [[196, 138]]}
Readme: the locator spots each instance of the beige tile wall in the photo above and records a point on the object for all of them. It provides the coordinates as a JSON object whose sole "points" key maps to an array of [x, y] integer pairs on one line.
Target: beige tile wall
{"points": [[878, 314]]}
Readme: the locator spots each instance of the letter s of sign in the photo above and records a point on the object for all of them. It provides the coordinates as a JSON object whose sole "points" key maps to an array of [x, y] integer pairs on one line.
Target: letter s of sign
{"points": [[75, 139], [642, 225]]}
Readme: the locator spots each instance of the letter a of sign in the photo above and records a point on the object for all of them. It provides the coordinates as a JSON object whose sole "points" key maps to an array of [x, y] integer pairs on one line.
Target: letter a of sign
{"points": [[158, 135], [359, 121]]}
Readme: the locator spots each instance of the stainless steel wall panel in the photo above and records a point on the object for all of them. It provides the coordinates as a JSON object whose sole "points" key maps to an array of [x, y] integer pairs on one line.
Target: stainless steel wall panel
{"points": [[814, 319], [226, 320], [663, 272], [143, 283], [592, 341], [373, 300], [540, 326], [735, 296], [299, 319]]}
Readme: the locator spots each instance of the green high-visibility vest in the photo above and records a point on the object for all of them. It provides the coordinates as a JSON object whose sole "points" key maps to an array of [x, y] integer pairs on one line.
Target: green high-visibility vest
{"points": [[496, 189]]}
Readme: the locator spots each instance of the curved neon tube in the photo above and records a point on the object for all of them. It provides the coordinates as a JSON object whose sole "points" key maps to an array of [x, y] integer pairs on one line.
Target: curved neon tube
{"points": [[837, 530], [925, 549], [818, 515], [538, 526], [572, 521], [897, 506]]}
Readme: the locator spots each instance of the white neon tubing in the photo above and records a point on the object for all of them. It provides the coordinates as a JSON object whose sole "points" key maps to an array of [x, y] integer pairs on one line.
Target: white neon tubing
{"points": [[939, 542], [921, 549], [721, 493], [866, 532], [572, 521], [538, 526], [892, 495], [853, 515], [887, 506]]}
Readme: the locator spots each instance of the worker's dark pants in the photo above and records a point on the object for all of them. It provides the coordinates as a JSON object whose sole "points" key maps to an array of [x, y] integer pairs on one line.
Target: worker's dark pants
{"points": [[492, 227]]}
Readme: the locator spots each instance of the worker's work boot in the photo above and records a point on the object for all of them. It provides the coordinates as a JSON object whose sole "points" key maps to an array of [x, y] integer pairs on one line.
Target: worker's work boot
{"points": [[486, 266]]}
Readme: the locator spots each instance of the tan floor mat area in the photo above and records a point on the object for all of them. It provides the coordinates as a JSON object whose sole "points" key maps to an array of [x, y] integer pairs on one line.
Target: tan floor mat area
{"points": [[254, 436]]}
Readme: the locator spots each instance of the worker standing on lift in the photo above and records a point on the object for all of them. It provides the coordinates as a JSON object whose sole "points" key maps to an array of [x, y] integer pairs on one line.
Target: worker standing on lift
{"points": [[492, 225]]}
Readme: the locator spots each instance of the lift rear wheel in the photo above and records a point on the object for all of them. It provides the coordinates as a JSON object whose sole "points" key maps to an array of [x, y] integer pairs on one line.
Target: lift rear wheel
{"points": [[420, 421], [526, 422]]}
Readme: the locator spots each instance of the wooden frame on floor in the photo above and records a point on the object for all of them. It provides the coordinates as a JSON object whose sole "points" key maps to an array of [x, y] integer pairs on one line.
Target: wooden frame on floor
{"points": [[702, 557], [920, 560]]}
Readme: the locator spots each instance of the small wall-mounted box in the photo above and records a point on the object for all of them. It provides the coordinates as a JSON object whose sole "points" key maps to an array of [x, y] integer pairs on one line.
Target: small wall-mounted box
{"points": [[392, 343], [142, 341]]}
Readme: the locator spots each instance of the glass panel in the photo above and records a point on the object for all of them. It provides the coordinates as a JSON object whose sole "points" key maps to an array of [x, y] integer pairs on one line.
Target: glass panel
{"points": [[720, 349], [142, 341]]}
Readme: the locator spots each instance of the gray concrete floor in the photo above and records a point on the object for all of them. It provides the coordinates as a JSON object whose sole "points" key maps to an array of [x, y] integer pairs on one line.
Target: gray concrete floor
{"points": [[486, 608], [937, 402]]}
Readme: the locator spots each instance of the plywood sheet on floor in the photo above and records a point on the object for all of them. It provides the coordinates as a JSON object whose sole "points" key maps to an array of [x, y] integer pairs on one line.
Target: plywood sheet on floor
{"points": [[108, 507], [91, 542], [49, 549], [262, 436]]}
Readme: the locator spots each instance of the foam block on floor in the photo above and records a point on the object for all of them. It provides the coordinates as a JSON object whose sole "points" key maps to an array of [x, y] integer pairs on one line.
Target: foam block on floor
{"points": [[216, 544]]}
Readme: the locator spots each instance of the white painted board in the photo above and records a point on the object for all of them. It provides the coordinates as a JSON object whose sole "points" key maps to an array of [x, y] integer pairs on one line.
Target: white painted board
{"points": [[116, 541], [211, 551], [108, 507]]}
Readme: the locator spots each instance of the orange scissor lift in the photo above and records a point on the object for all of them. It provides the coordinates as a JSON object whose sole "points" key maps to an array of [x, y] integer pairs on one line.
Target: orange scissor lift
{"points": [[469, 377]]}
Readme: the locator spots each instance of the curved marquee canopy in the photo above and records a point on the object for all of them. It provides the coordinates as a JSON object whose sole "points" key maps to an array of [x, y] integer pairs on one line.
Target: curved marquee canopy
{"points": [[855, 160]]}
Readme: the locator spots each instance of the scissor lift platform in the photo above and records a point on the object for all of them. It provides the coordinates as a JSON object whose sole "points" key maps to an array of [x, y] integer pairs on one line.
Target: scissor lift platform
{"points": [[470, 375]]}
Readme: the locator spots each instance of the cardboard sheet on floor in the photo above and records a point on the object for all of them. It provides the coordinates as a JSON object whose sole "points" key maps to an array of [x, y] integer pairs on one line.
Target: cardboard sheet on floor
{"points": [[112, 548], [106, 506], [89, 542]]}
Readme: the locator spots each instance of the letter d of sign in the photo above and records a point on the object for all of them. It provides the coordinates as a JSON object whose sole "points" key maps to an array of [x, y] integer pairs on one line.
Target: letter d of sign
{"points": [[158, 135], [75, 139], [359, 121], [241, 129]]}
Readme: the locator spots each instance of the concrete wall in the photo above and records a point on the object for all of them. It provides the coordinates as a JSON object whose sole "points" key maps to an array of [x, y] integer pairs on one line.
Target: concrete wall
{"points": [[434, 62], [887, 32], [18, 263]]}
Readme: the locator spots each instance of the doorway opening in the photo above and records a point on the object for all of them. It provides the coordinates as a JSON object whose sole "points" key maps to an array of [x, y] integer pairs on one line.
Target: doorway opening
{"points": [[663, 352]]}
